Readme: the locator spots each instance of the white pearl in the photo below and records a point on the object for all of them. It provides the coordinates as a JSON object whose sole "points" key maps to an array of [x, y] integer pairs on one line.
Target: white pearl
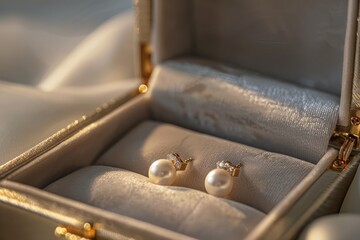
{"points": [[162, 172], [218, 182]]}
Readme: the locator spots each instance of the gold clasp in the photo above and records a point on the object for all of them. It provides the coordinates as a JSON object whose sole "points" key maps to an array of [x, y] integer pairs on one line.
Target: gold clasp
{"points": [[344, 153], [347, 139], [74, 233]]}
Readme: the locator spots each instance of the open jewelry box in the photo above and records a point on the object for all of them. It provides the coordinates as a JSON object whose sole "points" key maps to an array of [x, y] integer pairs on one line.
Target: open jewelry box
{"points": [[261, 83]]}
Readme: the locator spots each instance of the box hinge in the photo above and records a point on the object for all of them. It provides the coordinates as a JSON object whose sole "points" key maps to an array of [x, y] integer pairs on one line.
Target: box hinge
{"points": [[143, 13], [346, 139], [87, 232]]}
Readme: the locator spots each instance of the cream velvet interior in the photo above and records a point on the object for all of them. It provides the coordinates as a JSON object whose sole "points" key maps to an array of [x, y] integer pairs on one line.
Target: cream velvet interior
{"points": [[266, 177], [254, 187], [176, 208], [183, 209], [234, 104], [244, 106], [297, 41]]}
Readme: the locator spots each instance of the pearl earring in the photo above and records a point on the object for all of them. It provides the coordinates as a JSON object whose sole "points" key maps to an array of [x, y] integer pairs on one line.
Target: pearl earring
{"points": [[219, 181], [163, 171]]}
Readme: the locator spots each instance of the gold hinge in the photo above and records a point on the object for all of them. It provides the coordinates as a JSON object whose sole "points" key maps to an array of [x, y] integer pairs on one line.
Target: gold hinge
{"points": [[347, 139], [143, 13], [146, 65], [74, 233], [344, 154]]}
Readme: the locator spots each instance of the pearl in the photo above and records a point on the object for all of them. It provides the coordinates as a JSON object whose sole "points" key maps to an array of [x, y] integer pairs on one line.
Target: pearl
{"points": [[162, 172], [218, 182]]}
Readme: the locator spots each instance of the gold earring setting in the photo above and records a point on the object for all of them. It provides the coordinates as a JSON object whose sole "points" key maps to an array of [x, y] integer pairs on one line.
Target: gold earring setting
{"points": [[219, 181], [163, 171]]}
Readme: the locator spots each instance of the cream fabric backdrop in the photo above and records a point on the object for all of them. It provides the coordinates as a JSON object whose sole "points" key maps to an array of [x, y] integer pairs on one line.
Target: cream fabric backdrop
{"points": [[58, 61]]}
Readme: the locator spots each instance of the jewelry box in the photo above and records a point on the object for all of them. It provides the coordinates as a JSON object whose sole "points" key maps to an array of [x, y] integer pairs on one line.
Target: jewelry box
{"points": [[270, 85]]}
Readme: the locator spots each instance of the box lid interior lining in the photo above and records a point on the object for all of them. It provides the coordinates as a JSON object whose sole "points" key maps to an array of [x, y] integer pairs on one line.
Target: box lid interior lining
{"points": [[297, 41]]}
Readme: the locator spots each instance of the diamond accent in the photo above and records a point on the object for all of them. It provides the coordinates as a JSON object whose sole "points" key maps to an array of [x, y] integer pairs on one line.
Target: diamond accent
{"points": [[220, 164], [173, 156], [229, 167], [179, 164]]}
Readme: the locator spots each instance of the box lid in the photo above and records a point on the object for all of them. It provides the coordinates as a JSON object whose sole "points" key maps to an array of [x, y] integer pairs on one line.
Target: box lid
{"points": [[311, 44], [304, 43]]}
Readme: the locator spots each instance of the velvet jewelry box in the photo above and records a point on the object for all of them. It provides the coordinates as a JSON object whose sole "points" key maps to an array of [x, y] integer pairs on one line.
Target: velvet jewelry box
{"points": [[270, 85]]}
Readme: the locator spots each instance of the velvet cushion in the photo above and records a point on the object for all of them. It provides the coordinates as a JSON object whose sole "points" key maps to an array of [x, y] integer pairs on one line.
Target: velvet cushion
{"points": [[244, 106], [264, 180], [177, 208]]}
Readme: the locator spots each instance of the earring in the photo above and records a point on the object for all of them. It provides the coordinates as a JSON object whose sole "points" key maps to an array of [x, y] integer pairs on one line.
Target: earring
{"points": [[163, 171], [219, 181]]}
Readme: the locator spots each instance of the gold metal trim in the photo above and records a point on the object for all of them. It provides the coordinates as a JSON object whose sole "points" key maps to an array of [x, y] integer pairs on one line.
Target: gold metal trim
{"points": [[146, 65], [344, 155], [347, 140], [143, 12], [69, 214], [35, 204], [74, 233], [143, 88], [62, 135]]}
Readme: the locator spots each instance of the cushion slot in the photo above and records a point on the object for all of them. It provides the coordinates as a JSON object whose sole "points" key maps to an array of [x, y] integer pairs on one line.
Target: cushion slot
{"points": [[177, 208], [264, 180]]}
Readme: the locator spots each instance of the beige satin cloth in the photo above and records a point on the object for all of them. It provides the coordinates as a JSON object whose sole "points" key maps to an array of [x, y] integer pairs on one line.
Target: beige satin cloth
{"points": [[58, 61]]}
